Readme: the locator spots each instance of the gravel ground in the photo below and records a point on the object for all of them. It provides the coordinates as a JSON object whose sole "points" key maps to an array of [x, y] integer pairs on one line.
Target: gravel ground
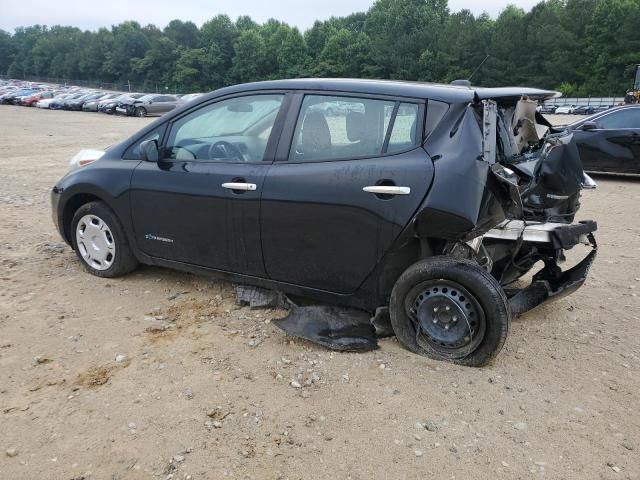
{"points": [[160, 375]]}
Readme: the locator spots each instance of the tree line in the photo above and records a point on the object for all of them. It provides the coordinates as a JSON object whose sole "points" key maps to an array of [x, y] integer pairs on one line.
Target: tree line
{"points": [[580, 47]]}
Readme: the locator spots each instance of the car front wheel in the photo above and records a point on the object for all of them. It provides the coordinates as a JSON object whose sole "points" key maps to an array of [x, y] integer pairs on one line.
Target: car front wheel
{"points": [[140, 112], [450, 309], [100, 242]]}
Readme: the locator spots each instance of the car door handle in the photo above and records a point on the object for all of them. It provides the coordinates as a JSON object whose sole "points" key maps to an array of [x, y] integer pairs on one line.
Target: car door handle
{"points": [[387, 190], [239, 186]]}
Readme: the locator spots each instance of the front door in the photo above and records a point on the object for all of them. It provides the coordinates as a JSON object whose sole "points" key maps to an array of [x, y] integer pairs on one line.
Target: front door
{"points": [[200, 203], [614, 146], [352, 178]]}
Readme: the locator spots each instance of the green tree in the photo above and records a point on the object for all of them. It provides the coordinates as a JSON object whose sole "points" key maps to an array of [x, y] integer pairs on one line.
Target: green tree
{"points": [[345, 54], [582, 47], [158, 64], [6, 51], [249, 63], [221, 32], [129, 45], [185, 34]]}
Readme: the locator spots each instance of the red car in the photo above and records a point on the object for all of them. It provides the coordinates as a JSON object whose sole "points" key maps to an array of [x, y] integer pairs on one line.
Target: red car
{"points": [[32, 99]]}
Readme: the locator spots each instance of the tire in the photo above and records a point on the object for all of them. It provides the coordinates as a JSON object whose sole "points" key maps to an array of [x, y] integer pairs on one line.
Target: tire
{"points": [[102, 234], [473, 315], [140, 112]]}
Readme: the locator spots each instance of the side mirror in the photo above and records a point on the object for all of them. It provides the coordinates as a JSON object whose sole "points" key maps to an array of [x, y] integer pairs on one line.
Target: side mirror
{"points": [[149, 151], [586, 126]]}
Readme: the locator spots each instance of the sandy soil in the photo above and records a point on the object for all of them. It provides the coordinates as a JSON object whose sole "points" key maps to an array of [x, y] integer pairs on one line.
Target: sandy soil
{"points": [[159, 375]]}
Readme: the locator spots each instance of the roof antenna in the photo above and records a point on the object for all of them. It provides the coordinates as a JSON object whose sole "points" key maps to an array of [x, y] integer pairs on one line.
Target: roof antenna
{"points": [[467, 82], [478, 67]]}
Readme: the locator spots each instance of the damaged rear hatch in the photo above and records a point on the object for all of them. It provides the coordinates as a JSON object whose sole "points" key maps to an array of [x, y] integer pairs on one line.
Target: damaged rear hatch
{"points": [[541, 167]]}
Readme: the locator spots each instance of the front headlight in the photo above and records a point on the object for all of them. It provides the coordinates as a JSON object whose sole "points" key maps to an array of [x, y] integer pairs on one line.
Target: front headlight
{"points": [[84, 158]]}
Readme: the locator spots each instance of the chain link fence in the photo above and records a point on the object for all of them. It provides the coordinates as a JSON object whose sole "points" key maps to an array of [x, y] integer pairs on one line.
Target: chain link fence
{"points": [[586, 101]]}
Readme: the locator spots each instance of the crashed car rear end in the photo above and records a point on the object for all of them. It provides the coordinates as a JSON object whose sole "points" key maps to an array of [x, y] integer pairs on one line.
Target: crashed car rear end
{"points": [[517, 185], [432, 241]]}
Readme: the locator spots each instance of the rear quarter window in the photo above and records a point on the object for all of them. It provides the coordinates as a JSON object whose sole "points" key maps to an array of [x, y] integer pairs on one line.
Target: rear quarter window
{"points": [[436, 111]]}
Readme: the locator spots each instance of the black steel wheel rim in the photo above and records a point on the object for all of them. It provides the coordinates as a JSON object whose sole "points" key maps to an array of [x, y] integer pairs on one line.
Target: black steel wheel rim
{"points": [[447, 318]]}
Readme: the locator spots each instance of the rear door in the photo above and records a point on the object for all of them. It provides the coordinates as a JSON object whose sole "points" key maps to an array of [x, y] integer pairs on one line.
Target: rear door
{"points": [[349, 175]]}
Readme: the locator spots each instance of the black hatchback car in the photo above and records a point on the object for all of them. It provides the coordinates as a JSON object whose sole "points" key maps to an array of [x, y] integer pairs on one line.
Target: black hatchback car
{"points": [[428, 200]]}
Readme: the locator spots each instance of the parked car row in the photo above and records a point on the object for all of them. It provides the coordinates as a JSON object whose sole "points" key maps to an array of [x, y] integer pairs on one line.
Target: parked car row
{"points": [[573, 109], [87, 100]]}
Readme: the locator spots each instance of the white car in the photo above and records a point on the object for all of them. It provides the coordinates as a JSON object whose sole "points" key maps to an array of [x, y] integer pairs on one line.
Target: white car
{"points": [[566, 109], [45, 102]]}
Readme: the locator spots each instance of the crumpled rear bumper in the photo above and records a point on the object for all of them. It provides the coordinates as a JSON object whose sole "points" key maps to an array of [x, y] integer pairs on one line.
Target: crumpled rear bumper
{"points": [[551, 283]]}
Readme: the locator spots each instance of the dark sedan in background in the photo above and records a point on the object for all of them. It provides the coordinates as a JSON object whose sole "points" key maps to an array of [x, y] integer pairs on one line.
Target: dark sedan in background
{"points": [[92, 105], [76, 104], [609, 142], [152, 104], [109, 106]]}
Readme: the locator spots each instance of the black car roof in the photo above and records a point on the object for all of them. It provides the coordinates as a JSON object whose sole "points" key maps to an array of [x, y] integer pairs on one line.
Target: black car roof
{"points": [[395, 88]]}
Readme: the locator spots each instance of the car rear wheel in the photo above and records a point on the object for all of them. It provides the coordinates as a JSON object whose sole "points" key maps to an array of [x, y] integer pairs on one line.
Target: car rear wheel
{"points": [[100, 242], [141, 112], [450, 309]]}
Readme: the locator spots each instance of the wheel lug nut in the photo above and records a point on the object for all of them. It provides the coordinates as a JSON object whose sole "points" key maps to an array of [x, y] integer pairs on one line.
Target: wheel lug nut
{"points": [[455, 319], [446, 327], [435, 321], [447, 308], [435, 309]]}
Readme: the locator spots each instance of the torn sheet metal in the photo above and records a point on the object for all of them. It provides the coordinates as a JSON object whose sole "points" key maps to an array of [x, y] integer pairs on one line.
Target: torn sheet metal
{"points": [[337, 328], [256, 297], [526, 130], [546, 286], [489, 122]]}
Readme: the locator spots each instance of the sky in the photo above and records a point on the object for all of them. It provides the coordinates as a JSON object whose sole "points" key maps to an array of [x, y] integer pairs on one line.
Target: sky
{"points": [[92, 14]]}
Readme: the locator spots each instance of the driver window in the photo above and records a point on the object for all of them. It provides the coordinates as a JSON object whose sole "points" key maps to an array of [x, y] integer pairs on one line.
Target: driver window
{"points": [[233, 130], [627, 118]]}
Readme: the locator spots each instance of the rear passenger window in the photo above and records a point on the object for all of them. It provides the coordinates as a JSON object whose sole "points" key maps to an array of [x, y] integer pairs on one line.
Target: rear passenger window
{"points": [[334, 128]]}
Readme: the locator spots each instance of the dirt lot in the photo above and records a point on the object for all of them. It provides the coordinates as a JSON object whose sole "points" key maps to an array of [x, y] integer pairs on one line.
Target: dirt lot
{"points": [[159, 375]]}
